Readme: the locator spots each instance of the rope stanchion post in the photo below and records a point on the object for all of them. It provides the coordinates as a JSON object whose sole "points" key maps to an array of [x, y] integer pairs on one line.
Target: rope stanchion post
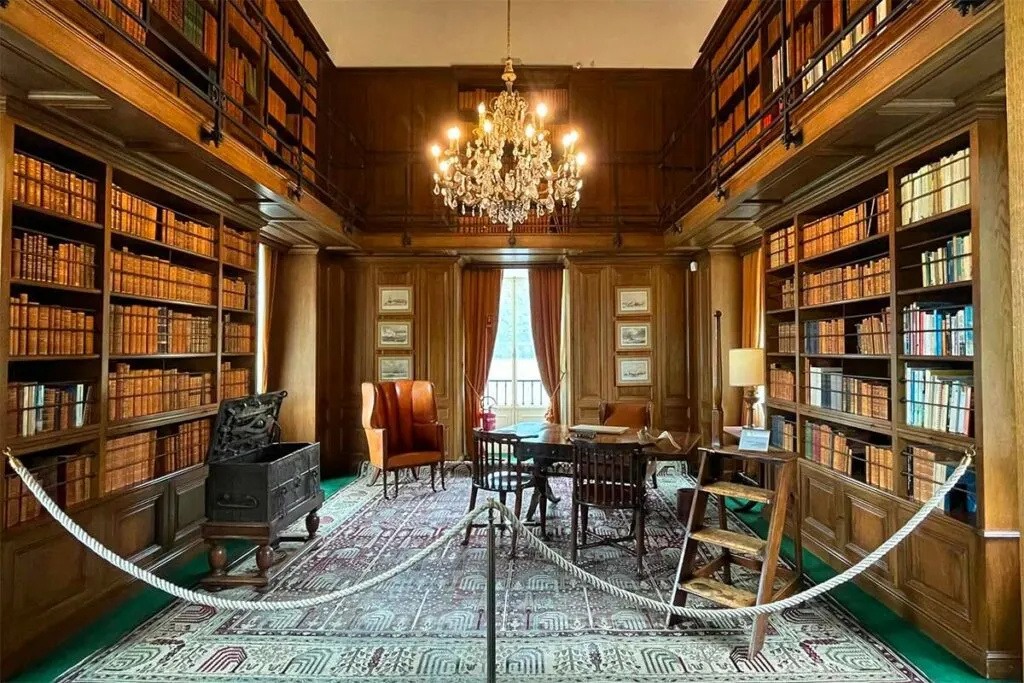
{"points": [[492, 609]]}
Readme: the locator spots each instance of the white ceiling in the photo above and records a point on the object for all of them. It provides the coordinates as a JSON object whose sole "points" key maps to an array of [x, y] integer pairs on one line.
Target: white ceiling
{"points": [[600, 33]]}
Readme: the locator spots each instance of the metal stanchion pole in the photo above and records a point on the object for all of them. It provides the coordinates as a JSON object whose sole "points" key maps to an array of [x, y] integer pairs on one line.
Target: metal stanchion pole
{"points": [[491, 607]]}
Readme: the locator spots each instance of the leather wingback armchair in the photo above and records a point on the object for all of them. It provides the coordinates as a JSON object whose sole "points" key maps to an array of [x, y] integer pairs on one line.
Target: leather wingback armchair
{"points": [[634, 415], [402, 431]]}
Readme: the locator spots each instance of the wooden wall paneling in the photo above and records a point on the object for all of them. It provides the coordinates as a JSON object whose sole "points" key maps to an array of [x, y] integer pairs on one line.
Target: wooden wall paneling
{"points": [[671, 342], [293, 344], [636, 141], [700, 322], [592, 372], [331, 355], [1013, 14]]}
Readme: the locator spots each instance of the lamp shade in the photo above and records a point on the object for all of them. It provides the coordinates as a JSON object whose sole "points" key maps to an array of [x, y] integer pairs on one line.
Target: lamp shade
{"points": [[746, 367]]}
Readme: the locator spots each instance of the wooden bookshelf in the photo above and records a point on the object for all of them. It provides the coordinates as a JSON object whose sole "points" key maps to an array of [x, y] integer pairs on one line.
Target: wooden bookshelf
{"points": [[909, 329], [766, 41], [112, 376], [264, 56]]}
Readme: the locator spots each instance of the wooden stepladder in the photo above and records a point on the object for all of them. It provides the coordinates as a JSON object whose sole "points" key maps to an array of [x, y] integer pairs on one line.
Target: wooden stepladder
{"points": [[715, 470]]}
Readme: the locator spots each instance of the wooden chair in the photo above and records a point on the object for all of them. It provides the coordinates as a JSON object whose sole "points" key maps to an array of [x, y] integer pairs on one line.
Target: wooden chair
{"points": [[610, 477], [497, 468], [633, 414], [402, 431]]}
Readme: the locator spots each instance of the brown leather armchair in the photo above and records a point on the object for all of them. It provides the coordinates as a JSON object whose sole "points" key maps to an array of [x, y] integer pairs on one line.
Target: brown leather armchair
{"points": [[400, 422], [635, 415]]}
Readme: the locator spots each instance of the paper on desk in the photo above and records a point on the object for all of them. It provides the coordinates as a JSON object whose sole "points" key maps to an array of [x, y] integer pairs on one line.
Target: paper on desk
{"points": [[645, 437]]}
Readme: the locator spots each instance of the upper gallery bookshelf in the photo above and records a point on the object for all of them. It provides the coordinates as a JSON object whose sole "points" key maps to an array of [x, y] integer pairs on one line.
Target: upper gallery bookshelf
{"points": [[261, 57], [121, 339], [770, 44], [878, 373]]}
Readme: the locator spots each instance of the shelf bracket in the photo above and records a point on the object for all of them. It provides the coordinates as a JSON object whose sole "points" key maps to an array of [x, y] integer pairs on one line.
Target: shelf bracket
{"points": [[617, 240], [790, 137], [720, 192], [406, 239], [209, 134], [294, 191], [965, 7], [4, 4]]}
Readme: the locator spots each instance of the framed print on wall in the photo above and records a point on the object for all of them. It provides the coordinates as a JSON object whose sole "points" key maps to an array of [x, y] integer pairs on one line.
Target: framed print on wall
{"points": [[394, 299], [394, 334], [632, 371], [394, 368], [630, 336], [632, 300]]}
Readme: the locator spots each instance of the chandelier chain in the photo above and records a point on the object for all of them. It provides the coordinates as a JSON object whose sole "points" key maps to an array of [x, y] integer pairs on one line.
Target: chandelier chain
{"points": [[508, 29]]}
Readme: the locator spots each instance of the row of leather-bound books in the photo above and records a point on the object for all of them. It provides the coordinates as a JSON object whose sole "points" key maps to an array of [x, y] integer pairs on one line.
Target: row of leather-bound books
{"points": [[782, 247], [786, 333], [155, 277], [138, 458], [128, 21], [37, 408], [870, 217], [133, 215], [66, 478], [38, 258], [154, 330], [830, 446], [236, 293], [782, 383], [234, 382], [45, 330], [854, 281], [41, 184], [140, 392], [238, 337]]}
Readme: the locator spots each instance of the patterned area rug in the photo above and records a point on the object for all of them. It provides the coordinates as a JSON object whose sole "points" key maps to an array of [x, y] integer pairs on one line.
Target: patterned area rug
{"points": [[429, 624]]}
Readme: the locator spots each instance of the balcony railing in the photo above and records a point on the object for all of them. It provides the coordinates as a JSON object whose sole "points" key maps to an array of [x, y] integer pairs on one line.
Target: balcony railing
{"points": [[728, 147], [521, 393], [194, 51]]}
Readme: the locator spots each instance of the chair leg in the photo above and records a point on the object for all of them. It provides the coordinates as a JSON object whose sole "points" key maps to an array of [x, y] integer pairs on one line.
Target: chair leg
{"points": [[585, 513], [440, 466], [641, 547], [518, 511], [385, 472], [376, 475], [543, 516], [573, 530], [396, 483], [415, 473], [472, 506], [433, 467], [654, 478]]}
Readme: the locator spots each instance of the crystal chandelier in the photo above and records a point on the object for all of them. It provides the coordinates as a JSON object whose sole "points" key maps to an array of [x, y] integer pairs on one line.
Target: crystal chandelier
{"points": [[505, 170]]}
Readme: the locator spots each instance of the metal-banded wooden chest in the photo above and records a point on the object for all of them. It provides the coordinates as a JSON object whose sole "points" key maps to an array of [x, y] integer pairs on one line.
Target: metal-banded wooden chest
{"points": [[257, 486]]}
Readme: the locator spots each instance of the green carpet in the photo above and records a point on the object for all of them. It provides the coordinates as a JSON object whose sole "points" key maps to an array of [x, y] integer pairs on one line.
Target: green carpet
{"points": [[927, 655], [131, 613], [936, 663]]}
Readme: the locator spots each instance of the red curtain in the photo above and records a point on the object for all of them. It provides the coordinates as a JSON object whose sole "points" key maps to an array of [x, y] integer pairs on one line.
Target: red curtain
{"points": [[546, 321], [481, 294]]}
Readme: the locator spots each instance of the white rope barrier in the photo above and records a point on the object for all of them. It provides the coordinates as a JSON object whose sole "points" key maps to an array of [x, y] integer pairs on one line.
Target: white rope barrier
{"points": [[209, 600]]}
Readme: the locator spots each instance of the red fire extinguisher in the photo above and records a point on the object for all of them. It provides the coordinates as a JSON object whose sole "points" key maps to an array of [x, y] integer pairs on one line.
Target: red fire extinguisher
{"points": [[488, 418]]}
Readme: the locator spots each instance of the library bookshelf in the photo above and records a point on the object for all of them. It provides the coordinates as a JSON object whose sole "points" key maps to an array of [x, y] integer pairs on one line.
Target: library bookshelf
{"points": [[131, 315], [887, 345], [772, 46]]}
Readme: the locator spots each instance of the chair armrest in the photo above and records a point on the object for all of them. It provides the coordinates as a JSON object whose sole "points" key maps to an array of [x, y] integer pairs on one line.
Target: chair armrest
{"points": [[377, 445]]}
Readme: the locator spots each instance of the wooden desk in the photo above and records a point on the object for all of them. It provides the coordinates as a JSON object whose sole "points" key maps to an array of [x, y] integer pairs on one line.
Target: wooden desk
{"points": [[547, 444]]}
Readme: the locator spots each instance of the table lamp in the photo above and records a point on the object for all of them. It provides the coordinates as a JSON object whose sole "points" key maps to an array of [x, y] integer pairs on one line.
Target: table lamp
{"points": [[746, 369]]}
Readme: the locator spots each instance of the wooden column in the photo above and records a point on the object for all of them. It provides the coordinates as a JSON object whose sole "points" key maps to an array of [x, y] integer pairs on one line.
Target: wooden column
{"points": [[726, 292], [293, 343], [1013, 14]]}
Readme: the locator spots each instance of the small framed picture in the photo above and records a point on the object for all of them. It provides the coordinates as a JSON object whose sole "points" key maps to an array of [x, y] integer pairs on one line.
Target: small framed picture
{"points": [[632, 370], [394, 299], [632, 336], [632, 300], [393, 368], [394, 334]]}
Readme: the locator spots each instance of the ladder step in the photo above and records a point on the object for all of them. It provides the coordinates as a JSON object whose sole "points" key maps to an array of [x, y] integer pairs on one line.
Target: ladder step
{"points": [[719, 593], [731, 490], [732, 540]]}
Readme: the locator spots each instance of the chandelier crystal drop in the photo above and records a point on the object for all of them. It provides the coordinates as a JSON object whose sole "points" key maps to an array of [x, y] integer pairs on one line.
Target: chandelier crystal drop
{"points": [[505, 170]]}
